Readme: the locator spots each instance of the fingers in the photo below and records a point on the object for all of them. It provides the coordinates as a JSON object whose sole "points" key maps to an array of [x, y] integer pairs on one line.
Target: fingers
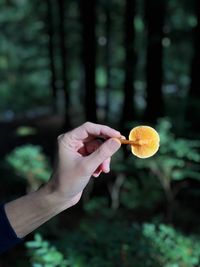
{"points": [[92, 145], [89, 148], [92, 129], [104, 167], [96, 156], [102, 154], [97, 172]]}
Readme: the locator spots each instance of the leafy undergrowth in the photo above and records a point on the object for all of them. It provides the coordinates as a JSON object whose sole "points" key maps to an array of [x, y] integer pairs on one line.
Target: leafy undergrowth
{"points": [[113, 244]]}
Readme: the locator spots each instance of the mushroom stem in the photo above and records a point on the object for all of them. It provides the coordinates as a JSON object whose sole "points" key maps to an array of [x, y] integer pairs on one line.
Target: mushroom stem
{"points": [[128, 142], [133, 143]]}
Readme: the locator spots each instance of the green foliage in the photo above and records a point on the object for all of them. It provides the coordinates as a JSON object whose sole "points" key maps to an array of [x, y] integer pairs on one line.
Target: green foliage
{"points": [[97, 205], [25, 131], [134, 193], [108, 244], [176, 162], [174, 248], [30, 163], [177, 159], [23, 56], [42, 254]]}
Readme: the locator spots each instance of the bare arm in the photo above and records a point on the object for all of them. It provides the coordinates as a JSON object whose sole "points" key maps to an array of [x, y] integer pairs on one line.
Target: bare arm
{"points": [[79, 157]]}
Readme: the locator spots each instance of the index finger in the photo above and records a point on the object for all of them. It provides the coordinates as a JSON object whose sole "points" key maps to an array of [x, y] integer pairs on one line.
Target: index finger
{"points": [[92, 129]]}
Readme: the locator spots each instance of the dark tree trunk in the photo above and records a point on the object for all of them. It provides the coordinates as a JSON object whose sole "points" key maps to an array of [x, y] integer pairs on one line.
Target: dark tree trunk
{"points": [[195, 81], [128, 113], [88, 21], [193, 109], [64, 59], [155, 11], [108, 59], [50, 29]]}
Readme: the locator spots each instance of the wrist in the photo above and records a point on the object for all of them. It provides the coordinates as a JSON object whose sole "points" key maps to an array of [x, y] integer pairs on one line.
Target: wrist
{"points": [[55, 198], [27, 213]]}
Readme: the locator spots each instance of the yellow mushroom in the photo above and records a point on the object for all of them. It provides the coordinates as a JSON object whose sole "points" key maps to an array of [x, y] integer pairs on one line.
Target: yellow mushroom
{"points": [[144, 141]]}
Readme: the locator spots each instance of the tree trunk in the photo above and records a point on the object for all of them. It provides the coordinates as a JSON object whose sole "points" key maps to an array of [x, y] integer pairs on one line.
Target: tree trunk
{"points": [[155, 11], [50, 29], [108, 59], [64, 59], [88, 22], [195, 81], [128, 113], [194, 90]]}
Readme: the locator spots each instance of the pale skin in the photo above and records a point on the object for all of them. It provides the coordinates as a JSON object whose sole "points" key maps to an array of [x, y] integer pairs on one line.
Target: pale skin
{"points": [[80, 156]]}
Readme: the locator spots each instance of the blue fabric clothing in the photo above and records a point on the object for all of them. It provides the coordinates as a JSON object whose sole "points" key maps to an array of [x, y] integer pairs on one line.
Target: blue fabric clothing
{"points": [[8, 237]]}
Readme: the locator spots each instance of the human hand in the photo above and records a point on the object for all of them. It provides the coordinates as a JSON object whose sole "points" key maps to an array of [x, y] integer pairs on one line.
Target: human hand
{"points": [[81, 155]]}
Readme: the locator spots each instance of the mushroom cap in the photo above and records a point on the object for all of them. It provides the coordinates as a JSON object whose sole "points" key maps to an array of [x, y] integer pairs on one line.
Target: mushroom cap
{"points": [[147, 140]]}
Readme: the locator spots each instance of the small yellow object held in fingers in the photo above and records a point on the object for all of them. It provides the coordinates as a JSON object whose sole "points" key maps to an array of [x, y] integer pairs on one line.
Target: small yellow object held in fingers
{"points": [[144, 141]]}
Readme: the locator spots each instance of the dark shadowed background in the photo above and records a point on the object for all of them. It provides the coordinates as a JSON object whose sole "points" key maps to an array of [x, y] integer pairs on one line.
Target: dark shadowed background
{"points": [[121, 63]]}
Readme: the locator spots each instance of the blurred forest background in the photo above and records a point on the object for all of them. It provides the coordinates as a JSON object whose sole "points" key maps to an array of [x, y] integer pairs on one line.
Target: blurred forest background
{"points": [[120, 63]]}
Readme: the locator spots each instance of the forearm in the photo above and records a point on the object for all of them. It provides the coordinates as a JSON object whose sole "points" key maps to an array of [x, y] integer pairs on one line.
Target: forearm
{"points": [[76, 164], [30, 211]]}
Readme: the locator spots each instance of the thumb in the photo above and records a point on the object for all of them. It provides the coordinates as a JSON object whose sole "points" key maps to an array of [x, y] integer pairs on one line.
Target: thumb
{"points": [[105, 151]]}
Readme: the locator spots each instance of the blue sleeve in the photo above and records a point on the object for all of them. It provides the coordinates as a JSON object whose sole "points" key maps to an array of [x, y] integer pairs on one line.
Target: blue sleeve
{"points": [[8, 237]]}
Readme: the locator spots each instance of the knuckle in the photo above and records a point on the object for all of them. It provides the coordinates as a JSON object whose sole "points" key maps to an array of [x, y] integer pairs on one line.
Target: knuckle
{"points": [[87, 124]]}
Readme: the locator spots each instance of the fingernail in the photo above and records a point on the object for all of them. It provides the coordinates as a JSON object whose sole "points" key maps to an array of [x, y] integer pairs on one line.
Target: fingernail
{"points": [[96, 175], [107, 170], [115, 140]]}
